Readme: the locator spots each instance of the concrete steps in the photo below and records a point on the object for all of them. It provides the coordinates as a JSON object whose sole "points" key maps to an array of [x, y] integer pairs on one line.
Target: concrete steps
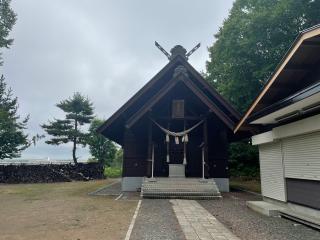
{"points": [[182, 188], [265, 208]]}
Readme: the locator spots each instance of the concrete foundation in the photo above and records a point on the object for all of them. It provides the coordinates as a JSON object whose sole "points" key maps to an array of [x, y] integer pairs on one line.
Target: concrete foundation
{"points": [[314, 213], [265, 208], [177, 170], [131, 184], [223, 184], [270, 207]]}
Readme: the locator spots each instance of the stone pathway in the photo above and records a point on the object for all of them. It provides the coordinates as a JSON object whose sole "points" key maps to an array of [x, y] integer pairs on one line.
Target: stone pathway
{"points": [[198, 224]]}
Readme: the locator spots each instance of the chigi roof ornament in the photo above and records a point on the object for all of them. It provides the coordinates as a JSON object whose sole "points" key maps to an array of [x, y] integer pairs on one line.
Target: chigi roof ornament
{"points": [[177, 50]]}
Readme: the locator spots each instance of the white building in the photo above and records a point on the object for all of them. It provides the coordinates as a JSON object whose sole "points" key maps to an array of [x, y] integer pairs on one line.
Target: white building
{"points": [[287, 112]]}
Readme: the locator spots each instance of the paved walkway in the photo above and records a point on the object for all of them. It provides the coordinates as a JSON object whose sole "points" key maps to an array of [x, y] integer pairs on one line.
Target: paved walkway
{"points": [[162, 219], [156, 221], [198, 224]]}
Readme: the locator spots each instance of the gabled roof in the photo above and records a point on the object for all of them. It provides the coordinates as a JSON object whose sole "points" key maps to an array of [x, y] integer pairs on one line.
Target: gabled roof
{"points": [[166, 88], [145, 95], [294, 103], [290, 75]]}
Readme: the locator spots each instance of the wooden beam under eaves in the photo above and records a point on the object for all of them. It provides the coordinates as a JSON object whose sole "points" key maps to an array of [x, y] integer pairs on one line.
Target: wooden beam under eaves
{"points": [[212, 106], [148, 105], [298, 67]]}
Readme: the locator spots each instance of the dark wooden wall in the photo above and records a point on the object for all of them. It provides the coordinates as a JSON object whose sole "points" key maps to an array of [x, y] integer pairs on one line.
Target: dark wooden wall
{"points": [[136, 152], [194, 153], [136, 143], [217, 150], [134, 155]]}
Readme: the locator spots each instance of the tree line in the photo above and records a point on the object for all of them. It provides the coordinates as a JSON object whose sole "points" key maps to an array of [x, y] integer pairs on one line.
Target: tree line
{"points": [[252, 41]]}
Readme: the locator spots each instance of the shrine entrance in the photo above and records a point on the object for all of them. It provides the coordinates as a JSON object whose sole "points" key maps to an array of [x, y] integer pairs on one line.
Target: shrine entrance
{"points": [[179, 149], [164, 131]]}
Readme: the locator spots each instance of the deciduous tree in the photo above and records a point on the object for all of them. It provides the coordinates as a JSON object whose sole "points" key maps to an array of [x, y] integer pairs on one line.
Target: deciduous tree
{"points": [[100, 147], [252, 41], [248, 46]]}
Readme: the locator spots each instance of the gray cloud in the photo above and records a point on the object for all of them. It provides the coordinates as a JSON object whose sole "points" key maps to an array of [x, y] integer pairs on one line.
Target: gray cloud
{"points": [[104, 49]]}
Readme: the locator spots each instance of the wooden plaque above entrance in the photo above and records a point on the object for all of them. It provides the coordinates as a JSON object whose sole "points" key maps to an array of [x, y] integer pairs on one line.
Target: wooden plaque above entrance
{"points": [[178, 109]]}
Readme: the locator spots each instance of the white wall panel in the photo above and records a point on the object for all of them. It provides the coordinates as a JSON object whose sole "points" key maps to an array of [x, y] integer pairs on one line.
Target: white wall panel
{"points": [[302, 156], [271, 167]]}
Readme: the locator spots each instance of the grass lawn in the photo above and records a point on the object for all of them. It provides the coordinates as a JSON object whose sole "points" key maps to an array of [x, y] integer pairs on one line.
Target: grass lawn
{"points": [[252, 185], [62, 211], [113, 172]]}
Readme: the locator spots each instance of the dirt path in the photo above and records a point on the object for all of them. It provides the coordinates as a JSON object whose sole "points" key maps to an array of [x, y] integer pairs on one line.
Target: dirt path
{"points": [[62, 211]]}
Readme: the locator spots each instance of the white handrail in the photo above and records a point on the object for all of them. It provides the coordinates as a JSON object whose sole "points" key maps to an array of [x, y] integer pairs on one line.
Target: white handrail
{"points": [[152, 161], [203, 163]]}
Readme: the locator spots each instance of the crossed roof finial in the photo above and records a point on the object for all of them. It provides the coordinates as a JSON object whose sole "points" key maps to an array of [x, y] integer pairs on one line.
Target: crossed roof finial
{"points": [[177, 50]]}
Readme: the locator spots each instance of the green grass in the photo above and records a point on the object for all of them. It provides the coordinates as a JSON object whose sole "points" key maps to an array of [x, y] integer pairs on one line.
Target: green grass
{"points": [[35, 191], [113, 172], [252, 185]]}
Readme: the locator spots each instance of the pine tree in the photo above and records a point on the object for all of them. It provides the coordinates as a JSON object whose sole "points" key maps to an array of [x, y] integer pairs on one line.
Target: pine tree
{"points": [[79, 111], [12, 138], [7, 20], [100, 147]]}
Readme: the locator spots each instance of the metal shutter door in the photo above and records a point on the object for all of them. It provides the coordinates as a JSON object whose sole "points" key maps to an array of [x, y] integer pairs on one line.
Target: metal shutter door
{"points": [[302, 156], [272, 179]]}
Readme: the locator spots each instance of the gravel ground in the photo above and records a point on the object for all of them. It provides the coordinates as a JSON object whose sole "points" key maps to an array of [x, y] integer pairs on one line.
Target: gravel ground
{"points": [[249, 225], [156, 221]]}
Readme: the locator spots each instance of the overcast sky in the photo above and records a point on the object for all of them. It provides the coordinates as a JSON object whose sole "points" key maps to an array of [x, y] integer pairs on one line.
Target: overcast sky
{"points": [[103, 49]]}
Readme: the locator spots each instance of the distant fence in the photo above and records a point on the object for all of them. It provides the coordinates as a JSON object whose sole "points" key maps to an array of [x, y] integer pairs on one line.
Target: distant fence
{"points": [[41, 173], [35, 161]]}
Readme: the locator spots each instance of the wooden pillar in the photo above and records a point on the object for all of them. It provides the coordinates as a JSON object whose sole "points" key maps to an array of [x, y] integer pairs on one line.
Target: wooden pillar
{"points": [[168, 145], [205, 141], [185, 160], [225, 142]]}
